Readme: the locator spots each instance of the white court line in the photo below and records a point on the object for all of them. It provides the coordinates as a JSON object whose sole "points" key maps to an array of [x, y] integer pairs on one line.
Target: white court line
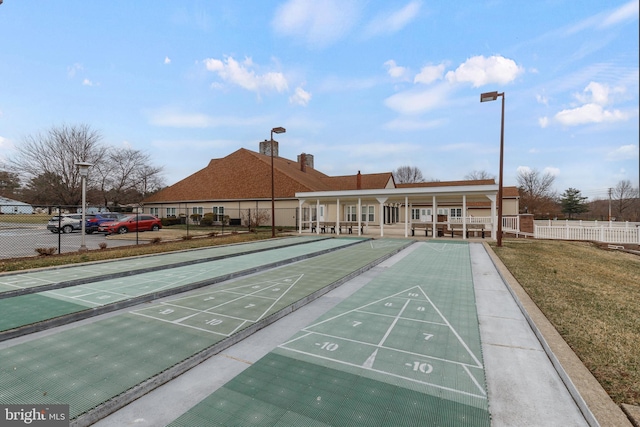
{"points": [[411, 353], [197, 311], [179, 324], [402, 318], [475, 381], [393, 324], [466, 393]]}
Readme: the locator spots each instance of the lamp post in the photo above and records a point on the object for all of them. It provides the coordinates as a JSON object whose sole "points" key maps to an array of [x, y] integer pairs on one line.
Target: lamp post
{"points": [[273, 198], [492, 96], [83, 168]]}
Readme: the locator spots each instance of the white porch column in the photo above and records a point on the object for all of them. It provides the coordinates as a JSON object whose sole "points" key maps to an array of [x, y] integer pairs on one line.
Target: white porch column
{"points": [[317, 216], [359, 216], [464, 216], [301, 202], [381, 200], [406, 216], [337, 217], [434, 218], [494, 219]]}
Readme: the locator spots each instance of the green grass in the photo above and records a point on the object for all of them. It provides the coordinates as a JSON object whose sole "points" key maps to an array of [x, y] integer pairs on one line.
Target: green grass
{"points": [[592, 297]]}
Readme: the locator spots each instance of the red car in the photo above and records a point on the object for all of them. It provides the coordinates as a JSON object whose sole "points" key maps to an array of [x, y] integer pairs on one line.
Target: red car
{"points": [[131, 223]]}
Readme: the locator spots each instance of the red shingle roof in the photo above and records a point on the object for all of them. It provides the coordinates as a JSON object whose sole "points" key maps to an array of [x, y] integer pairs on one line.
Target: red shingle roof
{"points": [[246, 175]]}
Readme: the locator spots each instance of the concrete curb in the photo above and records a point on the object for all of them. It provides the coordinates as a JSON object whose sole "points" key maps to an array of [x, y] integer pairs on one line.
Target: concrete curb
{"points": [[593, 401]]}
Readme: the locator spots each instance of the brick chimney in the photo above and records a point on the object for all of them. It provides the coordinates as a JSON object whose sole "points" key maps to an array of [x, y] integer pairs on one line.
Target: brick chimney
{"points": [[303, 162], [359, 181]]}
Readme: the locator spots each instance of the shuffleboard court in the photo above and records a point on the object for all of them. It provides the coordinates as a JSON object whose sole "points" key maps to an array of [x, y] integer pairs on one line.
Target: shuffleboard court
{"points": [[126, 355], [30, 309], [402, 351], [12, 284]]}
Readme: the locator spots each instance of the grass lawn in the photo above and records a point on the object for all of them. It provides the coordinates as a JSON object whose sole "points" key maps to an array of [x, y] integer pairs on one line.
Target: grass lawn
{"points": [[592, 297]]}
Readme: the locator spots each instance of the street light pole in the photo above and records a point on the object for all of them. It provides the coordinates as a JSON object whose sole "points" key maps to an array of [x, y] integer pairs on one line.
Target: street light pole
{"points": [[83, 168], [492, 96], [273, 198]]}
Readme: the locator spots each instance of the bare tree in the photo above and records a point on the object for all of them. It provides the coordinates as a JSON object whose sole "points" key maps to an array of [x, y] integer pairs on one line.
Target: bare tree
{"points": [[55, 153], [407, 174], [536, 193], [623, 196], [9, 184], [479, 175]]}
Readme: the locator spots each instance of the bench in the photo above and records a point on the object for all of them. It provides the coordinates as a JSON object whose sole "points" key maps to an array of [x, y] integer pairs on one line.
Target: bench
{"points": [[348, 226], [471, 228], [419, 226]]}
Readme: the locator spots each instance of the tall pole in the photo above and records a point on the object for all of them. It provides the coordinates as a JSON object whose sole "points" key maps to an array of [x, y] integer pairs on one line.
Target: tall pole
{"points": [[501, 169], [83, 168], [273, 194], [273, 203], [492, 96]]}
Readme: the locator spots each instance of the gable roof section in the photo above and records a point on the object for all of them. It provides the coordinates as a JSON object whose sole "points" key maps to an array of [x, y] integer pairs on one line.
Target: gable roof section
{"points": [[246, 175]]}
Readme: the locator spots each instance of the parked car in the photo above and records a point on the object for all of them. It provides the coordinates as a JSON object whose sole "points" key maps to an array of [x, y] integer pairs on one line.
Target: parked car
{"points": [[93, 223], [131, 223], [65, 223]]}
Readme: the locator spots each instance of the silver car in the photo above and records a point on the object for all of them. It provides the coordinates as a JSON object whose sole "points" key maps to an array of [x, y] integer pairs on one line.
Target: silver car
{"points": [[65, 223]]}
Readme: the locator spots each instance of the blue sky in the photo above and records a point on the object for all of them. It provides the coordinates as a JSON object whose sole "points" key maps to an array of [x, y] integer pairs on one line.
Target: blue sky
{"points": [[361, 85]]}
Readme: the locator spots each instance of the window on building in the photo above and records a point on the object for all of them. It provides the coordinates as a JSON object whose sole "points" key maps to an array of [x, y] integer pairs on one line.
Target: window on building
{"points": [[352, 213], [197, 210], [368, 213], [171, 211], [218, 213], [154, 211], [415, 214], [456, 212]]}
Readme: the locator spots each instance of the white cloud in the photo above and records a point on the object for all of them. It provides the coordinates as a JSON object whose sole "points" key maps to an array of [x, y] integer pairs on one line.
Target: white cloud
{"points": [[87, 82], [412, 125], [589, 113], [625, 152], [542, 99], [167, 60], [243, 75], [389, 23], [74, 69], [480, 71], [317, 22], [429, 74], [169, 117], [543, 122], [598, 93], [551, 170], [418, 101], [627, 12], [300, 97], [396, 71]]}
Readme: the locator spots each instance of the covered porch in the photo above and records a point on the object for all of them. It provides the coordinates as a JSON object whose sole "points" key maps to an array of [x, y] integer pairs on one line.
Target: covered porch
{"points": [[437, 211]]}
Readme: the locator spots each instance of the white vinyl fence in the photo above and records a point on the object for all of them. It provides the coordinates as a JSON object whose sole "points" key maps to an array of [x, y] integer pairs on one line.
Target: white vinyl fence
{"points": [[606, 232]]}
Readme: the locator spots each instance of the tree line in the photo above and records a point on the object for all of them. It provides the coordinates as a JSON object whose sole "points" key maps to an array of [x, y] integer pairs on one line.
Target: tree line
{"points": [[43, 170], [537, 196]]}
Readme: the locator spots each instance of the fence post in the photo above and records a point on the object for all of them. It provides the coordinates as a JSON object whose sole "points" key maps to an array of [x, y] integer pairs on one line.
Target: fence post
{"points": [[566, 228]]}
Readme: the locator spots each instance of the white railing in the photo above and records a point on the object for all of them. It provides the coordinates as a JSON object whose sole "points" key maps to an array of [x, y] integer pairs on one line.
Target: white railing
{"points": [[470, 220], [605, 234], [580, 223]]}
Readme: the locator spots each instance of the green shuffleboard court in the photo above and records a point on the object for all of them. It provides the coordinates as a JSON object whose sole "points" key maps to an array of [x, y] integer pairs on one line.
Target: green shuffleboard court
{"points": [[402, 351], [89, 365]]}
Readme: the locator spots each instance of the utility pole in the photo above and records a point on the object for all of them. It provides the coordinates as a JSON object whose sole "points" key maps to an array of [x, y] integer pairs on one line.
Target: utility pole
{"points": [[610, 189]]}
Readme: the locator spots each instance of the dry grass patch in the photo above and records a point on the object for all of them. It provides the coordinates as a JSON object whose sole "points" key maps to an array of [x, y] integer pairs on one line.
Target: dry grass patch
{"points": [[592, 297]]}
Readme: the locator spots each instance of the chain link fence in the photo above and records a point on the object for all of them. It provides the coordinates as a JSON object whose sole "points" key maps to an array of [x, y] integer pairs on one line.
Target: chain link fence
{"points": [[27, 230]]}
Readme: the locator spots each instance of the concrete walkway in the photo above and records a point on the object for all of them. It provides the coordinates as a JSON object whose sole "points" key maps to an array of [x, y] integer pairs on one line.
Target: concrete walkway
{"points": [[527, 382]]}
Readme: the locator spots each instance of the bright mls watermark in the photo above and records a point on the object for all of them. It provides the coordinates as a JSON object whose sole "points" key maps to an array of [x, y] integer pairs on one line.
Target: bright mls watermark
{"points": [[34, 415]]}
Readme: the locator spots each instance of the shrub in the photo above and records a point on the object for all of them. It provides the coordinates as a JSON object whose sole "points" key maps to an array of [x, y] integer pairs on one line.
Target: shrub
{"points": [[155, 240], [187, 237], [213, 234], [46, 251], [102, 245]]}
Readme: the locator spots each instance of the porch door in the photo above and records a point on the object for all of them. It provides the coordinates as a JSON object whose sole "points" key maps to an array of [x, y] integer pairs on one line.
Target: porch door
{"points": [[321, 210]]}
